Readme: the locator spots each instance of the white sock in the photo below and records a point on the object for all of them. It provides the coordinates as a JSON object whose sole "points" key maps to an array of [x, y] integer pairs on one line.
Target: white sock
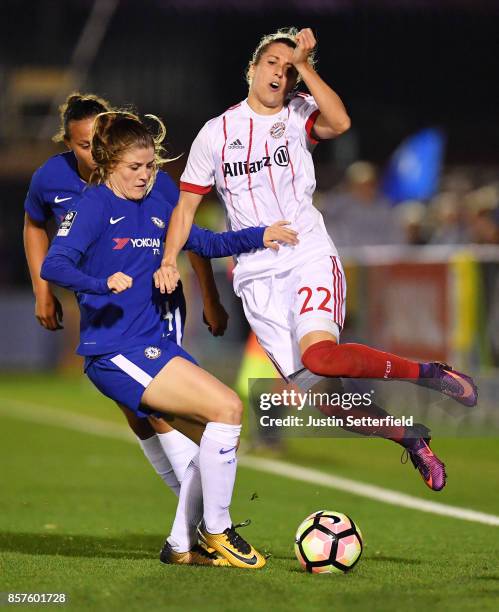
{"points": [[218, 464], [179, 449], [155, 454], [189, 509]]}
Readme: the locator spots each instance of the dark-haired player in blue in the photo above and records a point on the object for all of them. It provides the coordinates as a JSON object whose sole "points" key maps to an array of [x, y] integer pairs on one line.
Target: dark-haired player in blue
{"points": [[107, 249]]}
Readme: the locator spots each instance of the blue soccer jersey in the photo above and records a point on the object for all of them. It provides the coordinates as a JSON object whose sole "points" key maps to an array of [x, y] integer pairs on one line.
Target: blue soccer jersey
{"points": [[54, 189], [105, 234]]}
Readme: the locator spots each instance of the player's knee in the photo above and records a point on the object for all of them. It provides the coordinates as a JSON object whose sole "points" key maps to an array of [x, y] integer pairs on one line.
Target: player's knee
{"points": [[140, 426], [142, 429], [230, 411]]}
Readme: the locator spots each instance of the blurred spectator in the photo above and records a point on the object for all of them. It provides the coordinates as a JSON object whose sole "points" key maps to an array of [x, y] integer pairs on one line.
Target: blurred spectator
{"points": [[447, 219], [483, 215], [357, 214], [411, 217], [457, 180]]}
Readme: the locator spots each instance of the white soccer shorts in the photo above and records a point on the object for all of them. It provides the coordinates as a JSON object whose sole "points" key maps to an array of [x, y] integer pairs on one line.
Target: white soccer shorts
{"points": [[283, 308]]}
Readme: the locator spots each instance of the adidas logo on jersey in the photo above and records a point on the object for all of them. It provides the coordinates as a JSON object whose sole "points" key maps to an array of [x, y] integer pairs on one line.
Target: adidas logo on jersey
{"points": [[237, 144]]}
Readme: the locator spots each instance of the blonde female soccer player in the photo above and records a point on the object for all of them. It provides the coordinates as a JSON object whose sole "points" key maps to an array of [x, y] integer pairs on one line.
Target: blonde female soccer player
{"points": [[106, 249], [55, 188], [258, 154]]}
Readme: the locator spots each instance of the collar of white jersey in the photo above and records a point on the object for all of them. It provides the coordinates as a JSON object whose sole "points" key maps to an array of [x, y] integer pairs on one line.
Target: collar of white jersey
{"points": [[282, 114]]}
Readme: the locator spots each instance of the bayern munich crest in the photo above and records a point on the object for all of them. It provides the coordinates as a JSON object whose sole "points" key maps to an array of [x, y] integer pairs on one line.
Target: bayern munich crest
{"points": [[158, 222], [152, 352], [278, 129]]}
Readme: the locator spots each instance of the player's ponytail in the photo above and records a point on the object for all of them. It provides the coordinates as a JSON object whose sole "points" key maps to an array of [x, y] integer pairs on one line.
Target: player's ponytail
{"points": [[76, 107], [114, 133]]}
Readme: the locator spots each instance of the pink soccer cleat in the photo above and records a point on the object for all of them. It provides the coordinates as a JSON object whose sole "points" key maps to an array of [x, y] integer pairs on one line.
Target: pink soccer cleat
{"points": [[430, 467], [443, 378]]}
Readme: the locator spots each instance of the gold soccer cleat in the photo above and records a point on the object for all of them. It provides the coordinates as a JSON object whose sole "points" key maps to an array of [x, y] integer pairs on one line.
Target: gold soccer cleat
{"points": [[233, 548], [198, 555]]}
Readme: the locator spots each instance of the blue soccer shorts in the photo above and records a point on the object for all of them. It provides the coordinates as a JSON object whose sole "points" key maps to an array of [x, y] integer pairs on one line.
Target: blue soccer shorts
{"points": [[124, 376]]}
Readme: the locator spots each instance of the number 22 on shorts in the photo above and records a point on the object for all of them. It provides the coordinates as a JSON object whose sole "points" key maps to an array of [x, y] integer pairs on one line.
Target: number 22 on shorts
{"points": [[323, 293]]}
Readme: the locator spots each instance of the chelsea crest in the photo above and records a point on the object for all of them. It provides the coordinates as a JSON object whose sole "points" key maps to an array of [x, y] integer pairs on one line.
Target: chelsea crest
{"points": [[152, 352], [158, 222]]}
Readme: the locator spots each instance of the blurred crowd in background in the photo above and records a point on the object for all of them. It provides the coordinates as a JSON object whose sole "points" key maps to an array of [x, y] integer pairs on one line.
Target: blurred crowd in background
{"points": [[465, 209]]}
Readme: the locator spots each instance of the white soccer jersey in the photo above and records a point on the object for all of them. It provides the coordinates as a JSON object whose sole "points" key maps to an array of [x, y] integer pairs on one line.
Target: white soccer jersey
{"points": [[263, 171]]}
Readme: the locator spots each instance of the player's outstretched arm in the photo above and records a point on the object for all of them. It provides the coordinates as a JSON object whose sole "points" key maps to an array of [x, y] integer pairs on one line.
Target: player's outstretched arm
{"points": [[48, 309], [214, 314], [166, 276], [333, 119], [224, 244], [61, 268]]}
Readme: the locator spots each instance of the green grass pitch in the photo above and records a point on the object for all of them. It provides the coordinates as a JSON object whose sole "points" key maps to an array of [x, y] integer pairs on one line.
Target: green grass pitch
{"points": [[86, 515]]}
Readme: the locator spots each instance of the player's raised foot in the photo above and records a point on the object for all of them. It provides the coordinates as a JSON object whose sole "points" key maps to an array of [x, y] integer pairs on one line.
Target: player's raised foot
{"points": [[198, 555], [430, 467], [443, 378], [233, 548]]}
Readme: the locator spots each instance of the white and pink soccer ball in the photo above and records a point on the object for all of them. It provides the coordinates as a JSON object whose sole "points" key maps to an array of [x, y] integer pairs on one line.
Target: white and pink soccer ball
{"points": [[328, 542]]}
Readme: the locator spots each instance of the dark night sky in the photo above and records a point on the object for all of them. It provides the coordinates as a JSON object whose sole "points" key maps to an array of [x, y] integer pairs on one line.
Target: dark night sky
{"points": [[398, 65]]}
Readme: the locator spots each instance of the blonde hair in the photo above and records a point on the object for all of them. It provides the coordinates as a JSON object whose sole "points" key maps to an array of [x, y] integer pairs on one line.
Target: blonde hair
{"points": [[286, 36], [115, 132], [76, 107]]}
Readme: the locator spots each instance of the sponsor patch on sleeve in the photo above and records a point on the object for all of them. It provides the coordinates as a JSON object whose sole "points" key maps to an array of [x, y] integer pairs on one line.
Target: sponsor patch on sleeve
{"points": [[67, 222]]}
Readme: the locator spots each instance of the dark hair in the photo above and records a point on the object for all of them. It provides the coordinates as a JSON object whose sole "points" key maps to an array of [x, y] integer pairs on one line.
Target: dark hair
{"points": [[77, 107], [117, 131]]}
